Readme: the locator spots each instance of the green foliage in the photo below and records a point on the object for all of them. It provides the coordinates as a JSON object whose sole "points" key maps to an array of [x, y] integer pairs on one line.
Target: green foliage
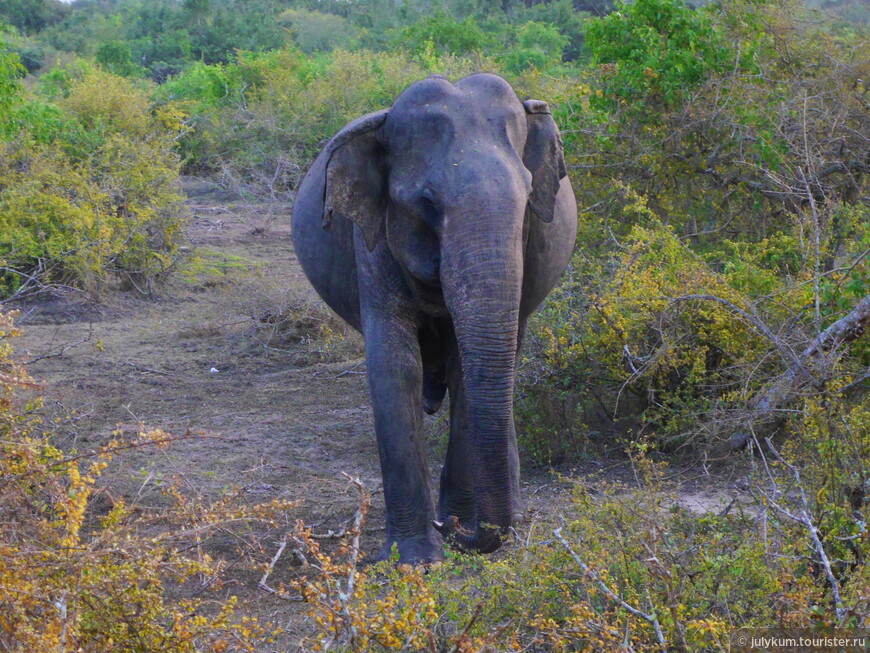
{"points": [[651, 53], [117, 58], [570, 21], [444, 33], [740, 190], [32, 16], [834, 433], [539, 45], [88, 189], [314, 31], [10, 87], [31, 50]]}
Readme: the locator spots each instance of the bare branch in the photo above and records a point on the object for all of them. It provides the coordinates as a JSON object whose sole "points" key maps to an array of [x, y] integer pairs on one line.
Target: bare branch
{"points": [[805, 520], [265, 587], [613, 596]]}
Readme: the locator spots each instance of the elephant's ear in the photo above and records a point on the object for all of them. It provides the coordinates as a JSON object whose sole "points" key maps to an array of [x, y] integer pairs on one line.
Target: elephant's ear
{"points": [[356, 176], [543, 157]]}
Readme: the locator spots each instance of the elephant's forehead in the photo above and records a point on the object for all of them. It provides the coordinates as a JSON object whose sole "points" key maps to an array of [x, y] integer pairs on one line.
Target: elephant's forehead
{"points": [[426, 91], [483, 86], [476, 102]]}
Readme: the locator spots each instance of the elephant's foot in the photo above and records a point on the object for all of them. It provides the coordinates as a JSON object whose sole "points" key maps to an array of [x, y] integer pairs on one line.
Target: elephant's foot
{"points": [[451, 526], [418, 551]]}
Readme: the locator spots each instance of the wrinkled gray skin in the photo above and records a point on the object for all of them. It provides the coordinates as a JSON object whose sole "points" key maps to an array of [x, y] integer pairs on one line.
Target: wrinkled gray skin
{"points": [[436, 227]]}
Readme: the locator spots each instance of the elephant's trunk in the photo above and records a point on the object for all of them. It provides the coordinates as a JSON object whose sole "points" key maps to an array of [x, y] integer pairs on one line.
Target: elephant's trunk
{"points": [[482, 279]]}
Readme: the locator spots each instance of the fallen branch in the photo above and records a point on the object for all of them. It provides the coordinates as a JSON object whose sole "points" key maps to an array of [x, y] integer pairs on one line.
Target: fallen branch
{"points": [[343, 533], [765, 408], [345, 596], [147, 370], [263, 585], [63, 348], [468, 626], [14, 380], [787, 354]]}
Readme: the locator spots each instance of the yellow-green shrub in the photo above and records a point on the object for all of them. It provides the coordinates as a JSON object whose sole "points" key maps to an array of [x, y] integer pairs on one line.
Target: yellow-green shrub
{"points": [[99, 99], [93, 197], [77, 576], [701, 576], [830, 444]]}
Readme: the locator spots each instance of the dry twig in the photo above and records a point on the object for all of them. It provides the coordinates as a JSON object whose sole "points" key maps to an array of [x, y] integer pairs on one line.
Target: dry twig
{"points": [[613, 596], [804, 518]]}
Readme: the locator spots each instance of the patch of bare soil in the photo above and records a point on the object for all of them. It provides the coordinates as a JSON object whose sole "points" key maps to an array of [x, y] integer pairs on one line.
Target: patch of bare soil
{"points": [[238, 350]]}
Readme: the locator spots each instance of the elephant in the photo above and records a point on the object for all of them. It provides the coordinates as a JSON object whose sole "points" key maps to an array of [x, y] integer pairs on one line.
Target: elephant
{"points": [[435, 227]]}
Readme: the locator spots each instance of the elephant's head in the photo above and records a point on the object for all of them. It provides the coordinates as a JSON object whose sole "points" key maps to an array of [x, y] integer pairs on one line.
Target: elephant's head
{"points": [[449, 178]]}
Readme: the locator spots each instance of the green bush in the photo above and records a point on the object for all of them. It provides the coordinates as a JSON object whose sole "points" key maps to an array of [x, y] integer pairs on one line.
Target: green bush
{"points": [[11, 71], [443, 33], [737, 188], [314, 31], [31, 16], [88, 188], [539, 45], [653, 52], [117, 58]]}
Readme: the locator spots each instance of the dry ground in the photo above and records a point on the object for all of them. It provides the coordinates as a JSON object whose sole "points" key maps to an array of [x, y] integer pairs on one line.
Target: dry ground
{"points": [[238, 349]]}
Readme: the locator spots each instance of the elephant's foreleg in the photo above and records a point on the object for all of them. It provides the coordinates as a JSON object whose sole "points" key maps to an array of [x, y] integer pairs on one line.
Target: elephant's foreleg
{"points": [[456, 495], [395, 377]]}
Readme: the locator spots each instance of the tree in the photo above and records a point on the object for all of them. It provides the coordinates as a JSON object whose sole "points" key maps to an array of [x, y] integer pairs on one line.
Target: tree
{"points": [[117, 58], [653, 52], [539, 45], [315, 31], [444, 32], [10, 71], [31, 16]]}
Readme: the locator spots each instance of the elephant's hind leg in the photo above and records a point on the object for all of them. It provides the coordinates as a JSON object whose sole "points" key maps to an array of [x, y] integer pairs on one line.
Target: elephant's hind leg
{"points": [[434, 389], [432, 337]]}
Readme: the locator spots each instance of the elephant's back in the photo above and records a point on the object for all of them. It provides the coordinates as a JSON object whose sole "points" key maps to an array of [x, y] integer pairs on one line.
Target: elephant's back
{"points": [[326, 255]]}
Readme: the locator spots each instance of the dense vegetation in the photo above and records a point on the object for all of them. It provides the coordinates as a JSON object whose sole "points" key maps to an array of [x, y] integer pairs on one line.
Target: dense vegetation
{"points": [[718, 295]]}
